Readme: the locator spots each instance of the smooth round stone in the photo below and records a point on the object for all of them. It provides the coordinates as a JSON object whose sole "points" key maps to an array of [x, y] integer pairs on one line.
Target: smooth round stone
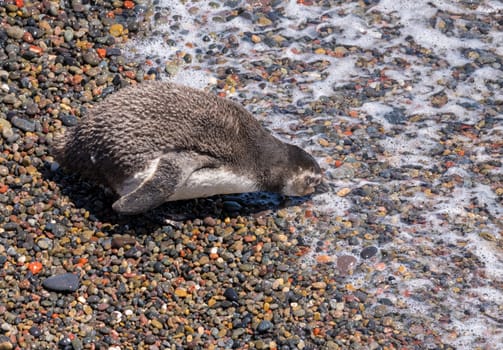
{"points": [[121, 241], [159, 267], [14, 32], [368, 252], [10, 99], [68, 35], [23, 124], [264, 326], [64, 342], [4, 171], [150, 339], [67, 282], [346, 263], [6, 345], [91, 57], [44, 243], [231, 295], [68, 119], [35, 331]]}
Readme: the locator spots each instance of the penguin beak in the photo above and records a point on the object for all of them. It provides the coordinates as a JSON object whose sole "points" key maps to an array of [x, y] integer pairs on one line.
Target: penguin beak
{"points": [[323, 187]]}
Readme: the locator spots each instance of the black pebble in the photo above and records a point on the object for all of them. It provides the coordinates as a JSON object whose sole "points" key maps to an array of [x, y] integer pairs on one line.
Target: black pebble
{"points": [[230, 294], [368, 252], [64, 342], [158, 267], [35, 331], [68, 119], [67, 282], [150, 339]]}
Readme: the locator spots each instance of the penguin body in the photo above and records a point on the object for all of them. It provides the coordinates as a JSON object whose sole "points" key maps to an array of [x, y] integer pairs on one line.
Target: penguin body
{"points": [[156, 142]]}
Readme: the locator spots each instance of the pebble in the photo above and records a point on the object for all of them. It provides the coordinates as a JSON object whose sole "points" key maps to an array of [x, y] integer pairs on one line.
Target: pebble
{"points": [[121, 241], [35, 331], [67, 282], [23, 124], [264, 326], [92, 58], [368, 252], [345, 264], [231, 295], [14, 32], [6, 345], [116, 29]]}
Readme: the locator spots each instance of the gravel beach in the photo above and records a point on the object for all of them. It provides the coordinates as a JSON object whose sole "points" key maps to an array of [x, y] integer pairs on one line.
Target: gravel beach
{"points": [[400, 101]]}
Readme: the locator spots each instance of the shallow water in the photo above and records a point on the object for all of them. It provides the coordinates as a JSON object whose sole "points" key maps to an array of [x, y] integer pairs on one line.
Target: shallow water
{"points": [[433, 76]]}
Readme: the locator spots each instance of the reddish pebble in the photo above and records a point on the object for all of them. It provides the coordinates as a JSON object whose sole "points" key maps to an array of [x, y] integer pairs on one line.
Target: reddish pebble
{"points": [[101, 52], [346, 263], [28, 37], [35, 267], [3, 188], [128, 4]]}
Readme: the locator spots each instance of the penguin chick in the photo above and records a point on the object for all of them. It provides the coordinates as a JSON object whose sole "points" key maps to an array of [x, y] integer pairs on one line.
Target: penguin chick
{"points": [[157, 142]]}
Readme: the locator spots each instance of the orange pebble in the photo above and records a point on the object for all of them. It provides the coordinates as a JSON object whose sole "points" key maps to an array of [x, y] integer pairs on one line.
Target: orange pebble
{"points": [[101, 52], [324, 259], [81, 262], [128, 4], [35, 267]]}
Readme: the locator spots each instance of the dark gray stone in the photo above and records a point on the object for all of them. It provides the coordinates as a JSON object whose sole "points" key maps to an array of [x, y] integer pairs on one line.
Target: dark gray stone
{"points": [[368, 252], [231, 295], [67, 282], [23, 124]]}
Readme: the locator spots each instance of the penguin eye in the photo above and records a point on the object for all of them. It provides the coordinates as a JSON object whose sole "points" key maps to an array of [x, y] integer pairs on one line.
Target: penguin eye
{"points": [[310, 180], [313, 180]]}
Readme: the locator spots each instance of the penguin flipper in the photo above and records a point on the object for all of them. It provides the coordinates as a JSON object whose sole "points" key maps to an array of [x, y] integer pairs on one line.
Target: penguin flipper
{"points": [[165, 175], [152, 191]]}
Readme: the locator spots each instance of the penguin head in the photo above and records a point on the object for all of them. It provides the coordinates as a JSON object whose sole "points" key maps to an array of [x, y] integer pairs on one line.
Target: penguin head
{"points": [[305, 177]]}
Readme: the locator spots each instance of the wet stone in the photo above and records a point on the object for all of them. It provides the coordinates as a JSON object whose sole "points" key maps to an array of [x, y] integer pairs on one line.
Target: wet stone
{"points": [[67, 282], [368, 252], [439, 100], [396, 116], [346, 263]]}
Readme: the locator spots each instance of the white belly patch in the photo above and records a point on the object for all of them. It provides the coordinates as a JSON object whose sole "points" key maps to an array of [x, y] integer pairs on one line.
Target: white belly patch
{"points": [[207, 182]]}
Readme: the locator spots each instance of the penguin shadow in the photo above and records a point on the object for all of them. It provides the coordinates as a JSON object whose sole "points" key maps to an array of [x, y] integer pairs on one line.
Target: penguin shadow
{"points": [[97, 200]]}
